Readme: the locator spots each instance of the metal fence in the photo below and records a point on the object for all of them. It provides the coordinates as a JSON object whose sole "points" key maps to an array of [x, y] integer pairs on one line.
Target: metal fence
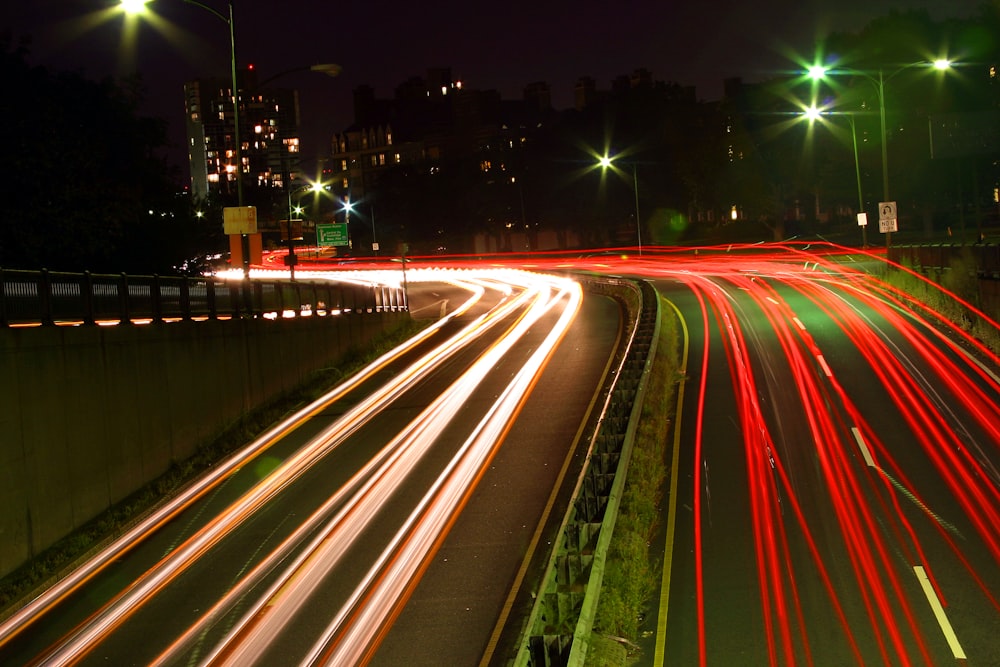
{"points": [[53, 298], [983, 259]]}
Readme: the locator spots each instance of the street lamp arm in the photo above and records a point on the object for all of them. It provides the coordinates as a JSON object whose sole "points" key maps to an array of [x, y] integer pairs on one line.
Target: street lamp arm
{"points": [[329, 69], [216, 13]]}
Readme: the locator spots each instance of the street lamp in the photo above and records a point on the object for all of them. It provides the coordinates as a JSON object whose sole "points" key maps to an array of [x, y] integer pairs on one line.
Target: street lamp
{"points": [[606, 161], [348, 207], [813, 114], [820, 72], [135, 6]]}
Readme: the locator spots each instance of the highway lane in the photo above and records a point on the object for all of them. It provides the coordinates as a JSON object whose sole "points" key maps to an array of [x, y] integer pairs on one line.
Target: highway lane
{"points": [[837, 488], [470, 603], [266, 561]]}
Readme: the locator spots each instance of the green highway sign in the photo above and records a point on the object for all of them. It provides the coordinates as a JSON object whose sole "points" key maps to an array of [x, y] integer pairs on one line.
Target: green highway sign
{"points": [[333, 234]]}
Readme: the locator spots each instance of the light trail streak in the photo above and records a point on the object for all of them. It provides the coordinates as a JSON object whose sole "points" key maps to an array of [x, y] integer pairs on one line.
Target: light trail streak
{"points": [[36, 609], [362, 497], [268, 617], [871, 534], [219, 527]]}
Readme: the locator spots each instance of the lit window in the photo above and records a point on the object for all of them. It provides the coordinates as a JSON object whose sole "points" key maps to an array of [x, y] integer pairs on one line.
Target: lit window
{"points": [[257, 129], [398, 158], [343, 165], [381, 159]]}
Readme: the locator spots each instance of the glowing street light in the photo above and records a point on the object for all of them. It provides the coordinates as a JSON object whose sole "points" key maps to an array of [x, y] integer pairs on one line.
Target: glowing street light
{"points": [[138, 6], [605, 162], [814, 114], [820, 72]]}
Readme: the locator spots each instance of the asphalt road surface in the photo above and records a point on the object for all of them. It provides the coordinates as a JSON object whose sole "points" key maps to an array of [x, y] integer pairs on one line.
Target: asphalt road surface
{"points": [[391, 519], [835, 499]]}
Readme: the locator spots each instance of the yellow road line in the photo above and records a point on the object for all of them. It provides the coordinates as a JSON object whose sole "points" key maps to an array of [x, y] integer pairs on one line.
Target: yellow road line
{"points": [[668, 547]]}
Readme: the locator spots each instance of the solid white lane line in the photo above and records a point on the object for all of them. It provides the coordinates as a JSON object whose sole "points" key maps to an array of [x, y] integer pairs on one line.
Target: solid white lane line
{"points": [[863, 447], [822, 362], [942, 619]]}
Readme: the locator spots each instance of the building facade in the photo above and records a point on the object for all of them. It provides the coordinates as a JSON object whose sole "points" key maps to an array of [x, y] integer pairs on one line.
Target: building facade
{"points": [[269, 134]]}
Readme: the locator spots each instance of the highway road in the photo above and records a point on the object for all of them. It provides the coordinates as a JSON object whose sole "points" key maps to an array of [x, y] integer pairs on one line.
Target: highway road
{"points": [[834, 498], [309, 546], [836, 488]]}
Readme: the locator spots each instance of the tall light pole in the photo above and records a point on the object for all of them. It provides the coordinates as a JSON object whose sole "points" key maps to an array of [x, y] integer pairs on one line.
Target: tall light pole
{"points": [[137, 6], [820, 72], [857, 175], [605, 162], [813, 114]]}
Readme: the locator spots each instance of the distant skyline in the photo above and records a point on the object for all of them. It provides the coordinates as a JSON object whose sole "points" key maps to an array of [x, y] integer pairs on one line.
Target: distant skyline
{"points": [[487, 46]]}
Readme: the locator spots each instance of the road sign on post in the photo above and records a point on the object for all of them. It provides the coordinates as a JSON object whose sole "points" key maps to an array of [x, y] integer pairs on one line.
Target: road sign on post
{"points": [[887, 221], [239, 219], [332, 234]]}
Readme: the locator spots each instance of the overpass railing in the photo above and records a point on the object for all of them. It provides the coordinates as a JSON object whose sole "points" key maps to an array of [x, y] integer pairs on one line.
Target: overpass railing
{"points": [[32, 298]]}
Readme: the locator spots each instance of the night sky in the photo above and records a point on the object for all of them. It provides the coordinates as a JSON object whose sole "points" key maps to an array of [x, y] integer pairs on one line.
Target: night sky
{"points": [[381, 43]]}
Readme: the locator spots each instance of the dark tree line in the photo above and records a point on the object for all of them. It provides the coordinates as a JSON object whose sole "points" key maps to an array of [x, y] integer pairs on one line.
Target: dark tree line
{"points": [[750, 155], [86, 187]]}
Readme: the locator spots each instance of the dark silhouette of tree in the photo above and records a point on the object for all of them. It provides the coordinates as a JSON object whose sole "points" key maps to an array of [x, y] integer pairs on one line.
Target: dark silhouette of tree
{"points": [[86, 187]]}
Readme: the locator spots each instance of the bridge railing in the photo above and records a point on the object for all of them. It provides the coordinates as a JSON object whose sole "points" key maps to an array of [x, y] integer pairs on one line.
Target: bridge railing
{"points": [[30, 298]]}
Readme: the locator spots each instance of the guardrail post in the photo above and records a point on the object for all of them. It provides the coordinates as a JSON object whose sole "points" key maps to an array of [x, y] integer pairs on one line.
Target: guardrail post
{"points": [[155, 300], [245, 291], [45, 297], [123, 314], [297, 289], [210, 298], [185, 298], [3, 300], [257, 301], [87, 295]]}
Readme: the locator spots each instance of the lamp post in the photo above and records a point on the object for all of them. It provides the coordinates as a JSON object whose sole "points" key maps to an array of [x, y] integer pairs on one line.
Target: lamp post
{"points": [[819, 72], [605, 162], [813, 113], [137, 6], [348, 207]]}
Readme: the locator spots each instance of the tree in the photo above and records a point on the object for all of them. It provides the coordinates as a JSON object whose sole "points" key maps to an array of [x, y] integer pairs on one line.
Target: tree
{"points": [[86, 188]]}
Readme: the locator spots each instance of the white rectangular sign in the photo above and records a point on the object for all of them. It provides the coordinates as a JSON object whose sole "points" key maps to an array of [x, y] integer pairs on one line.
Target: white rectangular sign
{"points": [[239, 219]]}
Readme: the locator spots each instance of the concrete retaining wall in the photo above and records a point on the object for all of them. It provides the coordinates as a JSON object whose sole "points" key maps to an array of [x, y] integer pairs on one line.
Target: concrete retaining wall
{"points": [[88, 415]]}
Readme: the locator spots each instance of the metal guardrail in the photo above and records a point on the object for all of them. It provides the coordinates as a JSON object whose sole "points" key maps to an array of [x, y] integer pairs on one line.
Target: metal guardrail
{"points": [[562, 617], [47, 298], [982, 258]]}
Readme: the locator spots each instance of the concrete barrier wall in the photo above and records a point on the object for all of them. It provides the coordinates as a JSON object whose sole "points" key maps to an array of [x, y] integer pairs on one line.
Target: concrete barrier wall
{"points": [[88, 415]]}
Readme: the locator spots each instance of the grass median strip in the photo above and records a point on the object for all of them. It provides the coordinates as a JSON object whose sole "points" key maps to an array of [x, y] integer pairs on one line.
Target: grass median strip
{"points": [[632, 575]]}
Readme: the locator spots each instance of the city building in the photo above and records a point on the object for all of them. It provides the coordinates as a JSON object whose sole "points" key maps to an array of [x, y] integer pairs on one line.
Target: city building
{"points": [[269, 133]]}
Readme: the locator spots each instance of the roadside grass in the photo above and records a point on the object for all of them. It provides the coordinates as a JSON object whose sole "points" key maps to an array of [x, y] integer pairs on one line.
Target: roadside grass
{"points": [[56, 561], [958, 278], [631, 575]]}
